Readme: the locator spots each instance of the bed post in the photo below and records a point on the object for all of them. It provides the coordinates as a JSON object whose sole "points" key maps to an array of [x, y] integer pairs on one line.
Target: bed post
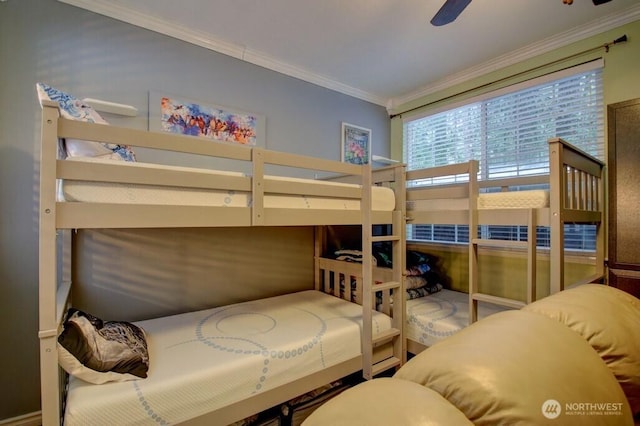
{"points": [[473, 235], [400, 229], [318, 249], [367, 274], [557, 186], [257, 187], [47, 275], [532, 258], [599, 204]]}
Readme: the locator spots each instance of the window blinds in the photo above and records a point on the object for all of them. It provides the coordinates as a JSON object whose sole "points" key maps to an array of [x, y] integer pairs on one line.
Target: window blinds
{"points": [[507, 132]]}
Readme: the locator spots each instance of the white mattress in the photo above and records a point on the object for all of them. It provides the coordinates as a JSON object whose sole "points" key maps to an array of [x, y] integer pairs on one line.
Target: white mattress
{"points": [[204, 360], [526, 199], [383, 199], [529, 199], [441, 315]]}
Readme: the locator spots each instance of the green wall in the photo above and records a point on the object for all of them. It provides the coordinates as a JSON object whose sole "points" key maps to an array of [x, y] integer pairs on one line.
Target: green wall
{"points": [[503, 273]]}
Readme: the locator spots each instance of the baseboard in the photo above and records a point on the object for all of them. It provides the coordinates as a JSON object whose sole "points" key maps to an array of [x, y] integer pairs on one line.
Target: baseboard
{"points": [[31, 419]]}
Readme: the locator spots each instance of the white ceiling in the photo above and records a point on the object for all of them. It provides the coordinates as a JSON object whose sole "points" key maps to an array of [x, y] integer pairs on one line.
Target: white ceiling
{"points": [[382, 51]]}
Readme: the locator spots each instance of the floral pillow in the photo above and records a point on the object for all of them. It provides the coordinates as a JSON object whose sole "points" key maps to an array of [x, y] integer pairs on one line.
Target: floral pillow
{"points": [[74, 109], [98, 352]]}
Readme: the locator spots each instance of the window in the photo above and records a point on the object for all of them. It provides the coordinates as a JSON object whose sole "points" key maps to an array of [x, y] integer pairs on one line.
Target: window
{"points": [[507, 132]]}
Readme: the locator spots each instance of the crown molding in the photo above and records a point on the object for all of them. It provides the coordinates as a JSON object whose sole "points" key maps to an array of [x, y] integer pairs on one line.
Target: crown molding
{"points": [[237, 51], [544, 46], [258, 58]]}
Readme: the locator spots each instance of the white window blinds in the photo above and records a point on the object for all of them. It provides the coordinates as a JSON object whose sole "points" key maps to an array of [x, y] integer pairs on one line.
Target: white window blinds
{"points": [[507, 132]]}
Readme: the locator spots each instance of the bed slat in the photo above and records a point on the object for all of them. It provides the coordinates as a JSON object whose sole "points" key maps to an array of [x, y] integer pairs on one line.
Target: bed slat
{"points": [[438, 193], [103, 172], [104, 215]]}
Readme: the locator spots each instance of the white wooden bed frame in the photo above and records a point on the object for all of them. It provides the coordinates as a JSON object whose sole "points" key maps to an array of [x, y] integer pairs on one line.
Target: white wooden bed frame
{"points": [[576, 191], [379, 353]]}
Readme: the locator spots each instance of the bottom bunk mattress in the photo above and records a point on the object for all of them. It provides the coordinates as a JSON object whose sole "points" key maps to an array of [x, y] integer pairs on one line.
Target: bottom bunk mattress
{"points": [[202, 361], [442, 314]]}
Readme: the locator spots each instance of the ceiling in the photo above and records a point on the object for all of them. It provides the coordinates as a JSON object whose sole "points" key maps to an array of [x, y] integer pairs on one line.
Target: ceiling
{"points": [[382, 51]]}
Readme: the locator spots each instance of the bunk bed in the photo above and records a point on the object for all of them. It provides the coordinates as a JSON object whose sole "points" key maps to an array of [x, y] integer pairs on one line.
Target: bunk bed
{"points": [[575, 194], [68, 191]]}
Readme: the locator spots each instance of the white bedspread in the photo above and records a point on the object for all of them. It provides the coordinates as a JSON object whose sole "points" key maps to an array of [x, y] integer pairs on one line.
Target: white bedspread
{"points": [[204, 360], [383, 199], [441, 315]]}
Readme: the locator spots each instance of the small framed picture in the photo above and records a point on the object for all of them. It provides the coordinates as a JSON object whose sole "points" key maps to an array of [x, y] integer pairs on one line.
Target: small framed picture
{"points": [[356, 144]]}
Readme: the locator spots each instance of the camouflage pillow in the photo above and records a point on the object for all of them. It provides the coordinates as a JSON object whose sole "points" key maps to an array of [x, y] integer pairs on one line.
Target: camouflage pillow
{"points": [[99, 352]]}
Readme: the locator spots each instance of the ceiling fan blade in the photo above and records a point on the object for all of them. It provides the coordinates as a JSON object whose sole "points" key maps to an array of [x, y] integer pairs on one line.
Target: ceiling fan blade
{"points": [[449, 12]]}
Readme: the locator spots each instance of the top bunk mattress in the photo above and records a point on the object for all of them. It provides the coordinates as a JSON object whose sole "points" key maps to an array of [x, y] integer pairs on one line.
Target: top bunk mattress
{"points": [[526, 199], [202, 361], [383, 199]]}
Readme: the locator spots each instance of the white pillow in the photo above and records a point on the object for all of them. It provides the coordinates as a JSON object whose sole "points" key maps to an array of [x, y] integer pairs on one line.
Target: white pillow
{"points": [[74, 109], [71, 365]]}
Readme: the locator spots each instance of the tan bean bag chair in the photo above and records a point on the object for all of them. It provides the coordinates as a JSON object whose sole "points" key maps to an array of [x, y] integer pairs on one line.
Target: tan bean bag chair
{"points": [[607, 318], [519, 367], [387, 402]]}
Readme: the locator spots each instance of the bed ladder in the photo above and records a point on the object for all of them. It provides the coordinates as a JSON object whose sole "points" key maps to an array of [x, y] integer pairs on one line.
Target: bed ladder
{"points": [[378, 361], [475, 295]]}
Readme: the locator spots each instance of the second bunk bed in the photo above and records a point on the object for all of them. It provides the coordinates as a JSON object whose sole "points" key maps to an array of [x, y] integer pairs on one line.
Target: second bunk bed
{"points": [[222, 364], [573, 195]]}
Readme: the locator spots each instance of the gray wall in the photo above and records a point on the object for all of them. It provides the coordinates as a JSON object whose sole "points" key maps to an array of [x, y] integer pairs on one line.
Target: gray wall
{"points": [[93, 56]]}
